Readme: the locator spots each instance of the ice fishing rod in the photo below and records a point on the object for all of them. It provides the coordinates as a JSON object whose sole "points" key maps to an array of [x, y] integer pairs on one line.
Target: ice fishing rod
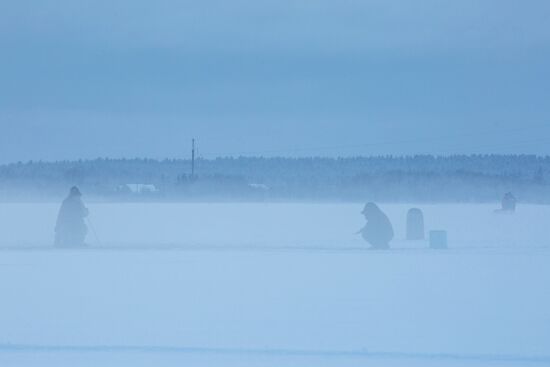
{"points": [[90, 224]]}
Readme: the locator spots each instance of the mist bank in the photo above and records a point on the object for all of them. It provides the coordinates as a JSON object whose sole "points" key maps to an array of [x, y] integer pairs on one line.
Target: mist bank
{"points": [[422, 178]]}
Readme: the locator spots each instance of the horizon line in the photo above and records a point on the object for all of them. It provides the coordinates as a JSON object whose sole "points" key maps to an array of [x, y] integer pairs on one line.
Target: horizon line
{"points": [[228, 157]]}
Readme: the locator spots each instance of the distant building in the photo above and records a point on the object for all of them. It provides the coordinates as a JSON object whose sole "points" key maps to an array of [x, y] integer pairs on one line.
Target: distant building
{"points": [[139, 189]]}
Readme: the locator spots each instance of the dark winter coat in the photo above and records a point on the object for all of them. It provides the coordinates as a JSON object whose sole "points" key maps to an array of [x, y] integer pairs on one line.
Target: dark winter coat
{"points": [[71, 229], [378, 231]]}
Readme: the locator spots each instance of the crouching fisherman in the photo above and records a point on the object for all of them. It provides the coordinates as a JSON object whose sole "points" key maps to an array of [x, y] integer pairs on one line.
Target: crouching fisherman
{"points": [[378, 231], [71, 230], [509, 203]]}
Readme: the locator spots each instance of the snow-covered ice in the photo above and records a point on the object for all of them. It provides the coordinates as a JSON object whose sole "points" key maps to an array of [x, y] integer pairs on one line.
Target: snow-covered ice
{"points": [[274, 285]]}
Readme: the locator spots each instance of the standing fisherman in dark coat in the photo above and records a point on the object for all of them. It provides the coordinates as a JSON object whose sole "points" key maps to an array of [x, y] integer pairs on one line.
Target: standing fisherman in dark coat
{"points": [[378, 231], [70, 229]]}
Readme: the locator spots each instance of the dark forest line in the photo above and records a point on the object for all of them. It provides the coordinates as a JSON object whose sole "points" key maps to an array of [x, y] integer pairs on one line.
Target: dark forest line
{"points": [[426, 178]]}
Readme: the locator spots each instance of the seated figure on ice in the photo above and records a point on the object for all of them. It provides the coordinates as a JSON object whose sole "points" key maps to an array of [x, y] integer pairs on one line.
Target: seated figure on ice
{"points": [[378, 231], [70, 230], [509, 202]]}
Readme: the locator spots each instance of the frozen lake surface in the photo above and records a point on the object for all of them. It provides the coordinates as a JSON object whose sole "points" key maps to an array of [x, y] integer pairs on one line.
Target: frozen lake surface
{"points": [[274, 285]]}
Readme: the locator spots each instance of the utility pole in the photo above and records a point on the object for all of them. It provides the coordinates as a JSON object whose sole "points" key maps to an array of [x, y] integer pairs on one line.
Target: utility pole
{"points": [[193, 158]]}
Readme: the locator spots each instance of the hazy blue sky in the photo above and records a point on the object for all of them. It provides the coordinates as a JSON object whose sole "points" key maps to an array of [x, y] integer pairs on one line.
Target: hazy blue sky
{"points": [[88, 78]]}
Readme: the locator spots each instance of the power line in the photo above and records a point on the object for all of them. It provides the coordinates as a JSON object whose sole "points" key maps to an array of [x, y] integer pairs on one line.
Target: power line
{"points": [[193, 158]]}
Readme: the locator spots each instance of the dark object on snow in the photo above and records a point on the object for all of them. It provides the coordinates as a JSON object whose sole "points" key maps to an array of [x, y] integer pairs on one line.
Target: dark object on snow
{"points": [[415, 224], [70, 230], [378, 231], [438, 240], [509, 202]]}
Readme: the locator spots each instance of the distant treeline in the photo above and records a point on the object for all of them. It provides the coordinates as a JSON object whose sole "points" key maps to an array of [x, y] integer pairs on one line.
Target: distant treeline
{"points": [[463, 178]]}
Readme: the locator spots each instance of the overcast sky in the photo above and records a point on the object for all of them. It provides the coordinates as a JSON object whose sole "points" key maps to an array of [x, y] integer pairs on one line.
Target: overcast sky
{"points": [[135, 78]]}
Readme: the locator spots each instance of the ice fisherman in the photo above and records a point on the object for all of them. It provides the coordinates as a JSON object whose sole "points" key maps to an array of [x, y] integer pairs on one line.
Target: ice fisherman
{"points": [[509, 202], [71, 230], [378, 231]]}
